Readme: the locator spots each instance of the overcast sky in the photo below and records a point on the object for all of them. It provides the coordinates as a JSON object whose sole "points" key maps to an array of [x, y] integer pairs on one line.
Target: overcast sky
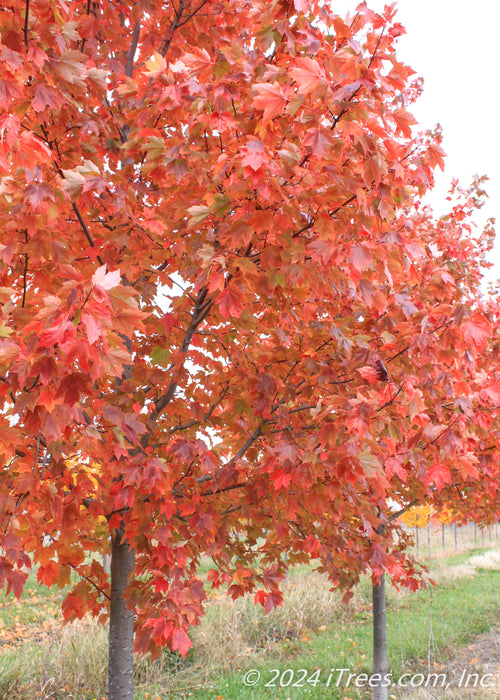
{"points": [[453, 45]]}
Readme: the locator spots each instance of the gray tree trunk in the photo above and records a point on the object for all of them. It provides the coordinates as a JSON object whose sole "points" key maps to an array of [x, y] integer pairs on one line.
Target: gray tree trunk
{"points": [[379, 640], [121, 623]]}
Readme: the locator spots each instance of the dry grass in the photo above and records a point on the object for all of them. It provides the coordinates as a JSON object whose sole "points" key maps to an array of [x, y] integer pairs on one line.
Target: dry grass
{"points": [[72, 665], [445, 573], [488, 560], [235, 630]]}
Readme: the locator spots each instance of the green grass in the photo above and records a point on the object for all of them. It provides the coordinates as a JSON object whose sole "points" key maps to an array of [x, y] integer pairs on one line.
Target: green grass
{"points": [[37, 601], [458, 612]]}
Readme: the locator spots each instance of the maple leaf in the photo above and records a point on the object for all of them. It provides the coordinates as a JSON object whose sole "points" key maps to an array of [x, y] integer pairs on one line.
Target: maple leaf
{"points": [[106, 280], [361, 257], [394, 467], [230, 303], [438, 474], [255, 154], [281, 479], [9, 90], [319, 140], [92, 328], [477, 332], [182, 449], [404, 121], [272, 98], [36, 193], [12, 58], [70, 67], [9, 129], [435, 156], [43, 97], [308, 74], [73, 182], [155, 65], [285, 451]]}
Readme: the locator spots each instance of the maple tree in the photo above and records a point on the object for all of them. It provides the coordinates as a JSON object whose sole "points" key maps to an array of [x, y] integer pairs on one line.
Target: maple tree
{"points": [[229, 325]]}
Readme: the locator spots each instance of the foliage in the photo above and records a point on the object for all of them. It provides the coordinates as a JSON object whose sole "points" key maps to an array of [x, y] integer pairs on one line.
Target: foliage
{"points": [[417, 516], [229, 326]]}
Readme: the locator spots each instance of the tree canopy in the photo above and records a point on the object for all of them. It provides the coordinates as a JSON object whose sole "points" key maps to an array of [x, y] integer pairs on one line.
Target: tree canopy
{"points": [[230, 327]]}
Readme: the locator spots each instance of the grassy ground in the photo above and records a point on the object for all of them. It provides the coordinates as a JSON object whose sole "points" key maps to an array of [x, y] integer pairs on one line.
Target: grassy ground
{"points": [[296, 652]]}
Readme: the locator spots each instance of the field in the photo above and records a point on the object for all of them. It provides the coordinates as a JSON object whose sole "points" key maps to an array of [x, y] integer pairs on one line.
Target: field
{"points": [[451, 631]]}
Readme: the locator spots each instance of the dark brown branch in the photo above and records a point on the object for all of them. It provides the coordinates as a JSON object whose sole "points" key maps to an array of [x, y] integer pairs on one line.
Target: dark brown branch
{"points": [[129, 66], [351, 98], [409, 505], [246, 445], [92, 583], [25, 272], [175, 24], [192, 13], [388, 403], [206, 417], [85, 230], [344, 204], [200, 311], [26, 19], [225, 488]]}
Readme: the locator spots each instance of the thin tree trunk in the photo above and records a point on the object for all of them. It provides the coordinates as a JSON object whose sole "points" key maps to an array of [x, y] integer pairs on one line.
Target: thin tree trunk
{"points": [[379, 640], [121, 623]]}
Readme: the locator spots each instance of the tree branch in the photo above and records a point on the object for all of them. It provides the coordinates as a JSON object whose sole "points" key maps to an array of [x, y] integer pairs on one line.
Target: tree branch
{"points": [[175, 24], [200, 311], [85, 230], [129, 66], [26, 18]]}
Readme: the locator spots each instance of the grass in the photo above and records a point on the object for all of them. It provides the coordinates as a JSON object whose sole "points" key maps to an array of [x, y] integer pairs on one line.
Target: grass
{"points": [[311, 635]]}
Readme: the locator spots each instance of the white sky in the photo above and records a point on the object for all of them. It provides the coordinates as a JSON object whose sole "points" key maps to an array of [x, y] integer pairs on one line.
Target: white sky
{"points": [[453, 45]]}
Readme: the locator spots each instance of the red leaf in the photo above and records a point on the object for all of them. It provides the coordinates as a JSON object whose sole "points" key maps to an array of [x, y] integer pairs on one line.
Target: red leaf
{"points": [[307, 73], [181, 642], [285, 451], [44, 97], [255, 154], [477, 332], [361, 257], [230, 303], [403, 120], [438, 474], [9, 129], [281, 479], [319, 140], [182, 449], [272, 98], [92, 327]]}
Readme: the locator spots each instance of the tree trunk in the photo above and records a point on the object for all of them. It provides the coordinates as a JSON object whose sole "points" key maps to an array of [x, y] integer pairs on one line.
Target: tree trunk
{"points": [[121, 623], [379, 640]]}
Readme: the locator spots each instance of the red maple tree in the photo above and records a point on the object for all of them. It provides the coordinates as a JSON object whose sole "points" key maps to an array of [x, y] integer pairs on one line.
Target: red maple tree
{"points": [[229, 326]]}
